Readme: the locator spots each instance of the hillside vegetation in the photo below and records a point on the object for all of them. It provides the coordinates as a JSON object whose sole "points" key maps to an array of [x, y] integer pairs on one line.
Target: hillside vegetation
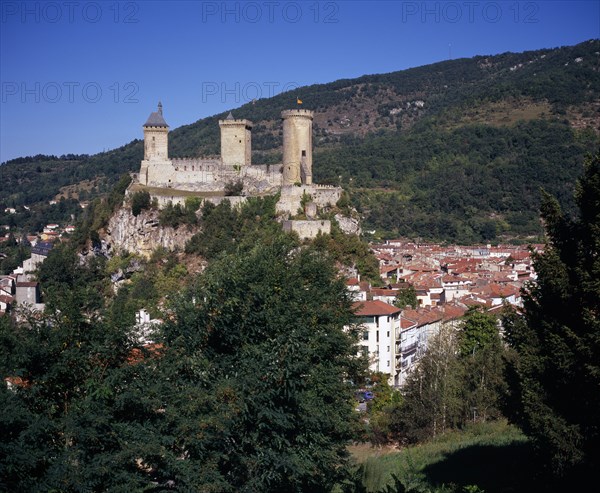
{"points": [[498, 455], [453, 151]]}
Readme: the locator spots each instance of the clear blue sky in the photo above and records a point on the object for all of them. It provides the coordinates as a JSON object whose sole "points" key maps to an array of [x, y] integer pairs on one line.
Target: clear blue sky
{"points": [[82, 77]]}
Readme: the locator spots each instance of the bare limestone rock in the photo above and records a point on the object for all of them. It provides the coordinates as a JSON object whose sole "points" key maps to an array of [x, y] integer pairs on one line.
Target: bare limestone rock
{"points": [[142, 234], [348, 225]]}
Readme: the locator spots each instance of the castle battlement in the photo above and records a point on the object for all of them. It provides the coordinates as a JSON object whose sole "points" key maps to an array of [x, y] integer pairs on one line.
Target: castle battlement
{"points": [[298, 113], [199, 161], [236, 122]]}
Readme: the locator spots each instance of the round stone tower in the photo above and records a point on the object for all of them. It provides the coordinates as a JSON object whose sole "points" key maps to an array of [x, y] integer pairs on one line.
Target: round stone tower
{"points": [[236, 141], [297, 147], [156, 140]]}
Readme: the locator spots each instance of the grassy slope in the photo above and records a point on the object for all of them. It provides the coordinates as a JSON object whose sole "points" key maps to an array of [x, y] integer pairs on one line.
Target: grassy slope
{"points": [[496, 457]]}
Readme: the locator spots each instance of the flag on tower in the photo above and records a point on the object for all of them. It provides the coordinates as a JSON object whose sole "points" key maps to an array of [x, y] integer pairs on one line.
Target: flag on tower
{"points": [[298, 100]]}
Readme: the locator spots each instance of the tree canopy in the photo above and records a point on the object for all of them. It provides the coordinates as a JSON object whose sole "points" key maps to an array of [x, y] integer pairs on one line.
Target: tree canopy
{"points": [[557, 341], [246, 387]]}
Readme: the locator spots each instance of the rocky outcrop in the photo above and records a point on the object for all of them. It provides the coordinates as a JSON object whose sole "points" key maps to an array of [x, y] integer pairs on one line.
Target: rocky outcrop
{"points": [[348, 225], [142, 234]]}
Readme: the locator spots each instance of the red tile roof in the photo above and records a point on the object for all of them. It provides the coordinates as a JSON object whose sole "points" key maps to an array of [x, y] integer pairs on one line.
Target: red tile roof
{"points": [[27, 284], [17, 381], [136, 355], [373, 308], [384, 292]]}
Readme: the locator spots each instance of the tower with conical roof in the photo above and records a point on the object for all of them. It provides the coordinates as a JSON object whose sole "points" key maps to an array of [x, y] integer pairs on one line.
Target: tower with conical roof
{"points": [[156, 136], [236, 141], [156, 165]]}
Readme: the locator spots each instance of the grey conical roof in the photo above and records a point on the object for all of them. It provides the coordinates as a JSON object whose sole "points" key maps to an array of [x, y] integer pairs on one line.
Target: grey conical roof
{"points": [[230, 116], [156, 119]]}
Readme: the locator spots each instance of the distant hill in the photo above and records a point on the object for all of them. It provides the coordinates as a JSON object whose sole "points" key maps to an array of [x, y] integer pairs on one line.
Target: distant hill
{"points": [[453, 151]]}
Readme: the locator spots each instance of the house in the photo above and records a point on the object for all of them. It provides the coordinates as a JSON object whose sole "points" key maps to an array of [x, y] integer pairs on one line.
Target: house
{"points": [[38, 254], [50, 235], [386, 295], [389, 271], [353, 286], [413, 342], [380, 324], [7, 285], [496, 294], [27, 293], [407, 343], [145, 326], [455, 287], [5, 302]]}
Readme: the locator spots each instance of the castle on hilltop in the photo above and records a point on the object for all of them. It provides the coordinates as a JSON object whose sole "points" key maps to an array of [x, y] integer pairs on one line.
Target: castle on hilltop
{"points": [[173, 179]]}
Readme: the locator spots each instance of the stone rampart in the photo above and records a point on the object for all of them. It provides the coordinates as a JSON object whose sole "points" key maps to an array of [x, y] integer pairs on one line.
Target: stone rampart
{"points": [[308, 229]]}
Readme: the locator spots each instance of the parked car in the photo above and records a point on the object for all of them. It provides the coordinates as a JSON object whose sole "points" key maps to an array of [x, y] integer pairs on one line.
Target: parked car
{"points": [[363, 395]]}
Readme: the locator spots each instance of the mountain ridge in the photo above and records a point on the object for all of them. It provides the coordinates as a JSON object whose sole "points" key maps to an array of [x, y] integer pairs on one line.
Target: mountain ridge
{"points": [[372, 115]]}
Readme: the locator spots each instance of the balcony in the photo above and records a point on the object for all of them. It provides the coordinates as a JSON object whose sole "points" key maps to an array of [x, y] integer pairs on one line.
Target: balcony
{"points": [[411, 348]]}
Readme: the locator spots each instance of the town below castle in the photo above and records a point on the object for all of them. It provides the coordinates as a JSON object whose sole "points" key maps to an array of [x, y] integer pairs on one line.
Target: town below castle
{"points": [[446, 281]]}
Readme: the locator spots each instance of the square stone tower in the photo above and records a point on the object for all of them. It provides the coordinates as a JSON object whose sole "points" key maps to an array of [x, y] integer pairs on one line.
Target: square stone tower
{"points": [[297, 147], [156, 140], [156, 146], [236, 141]]}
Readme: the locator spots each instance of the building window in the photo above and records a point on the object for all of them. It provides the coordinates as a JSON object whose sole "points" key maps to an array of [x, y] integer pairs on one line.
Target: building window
{"points": [[377, 336], [388, 333], [366, 335], [388, 363], [388, 349]]}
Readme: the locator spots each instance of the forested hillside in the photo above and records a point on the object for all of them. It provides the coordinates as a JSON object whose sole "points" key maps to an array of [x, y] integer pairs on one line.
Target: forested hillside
{"points": [[453, 151]]}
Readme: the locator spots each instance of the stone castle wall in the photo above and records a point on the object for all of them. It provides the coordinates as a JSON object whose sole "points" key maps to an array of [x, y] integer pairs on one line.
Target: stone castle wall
{"points": [[202, 175], [175, 198], [307, 229], [321, 195]]}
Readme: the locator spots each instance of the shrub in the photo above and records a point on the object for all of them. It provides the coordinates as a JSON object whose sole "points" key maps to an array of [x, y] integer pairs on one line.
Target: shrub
{"points": [[140, 201]]}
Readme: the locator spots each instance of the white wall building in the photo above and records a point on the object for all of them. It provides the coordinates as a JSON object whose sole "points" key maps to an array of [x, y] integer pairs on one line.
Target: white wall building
{"points": [[381, 326]]}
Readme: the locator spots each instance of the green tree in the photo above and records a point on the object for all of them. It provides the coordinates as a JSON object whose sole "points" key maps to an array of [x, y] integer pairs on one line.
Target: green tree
{"points": [[71, 288], [482, 366], [407, 296], [432, 402], [234, 188], [140, 200], [383, 410], [60, 428], [557, 340], [263, 332], [248, 390]]}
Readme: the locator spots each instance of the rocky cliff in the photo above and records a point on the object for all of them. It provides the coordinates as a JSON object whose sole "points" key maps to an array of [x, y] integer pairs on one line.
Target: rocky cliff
{"points": [[142, 234]]}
